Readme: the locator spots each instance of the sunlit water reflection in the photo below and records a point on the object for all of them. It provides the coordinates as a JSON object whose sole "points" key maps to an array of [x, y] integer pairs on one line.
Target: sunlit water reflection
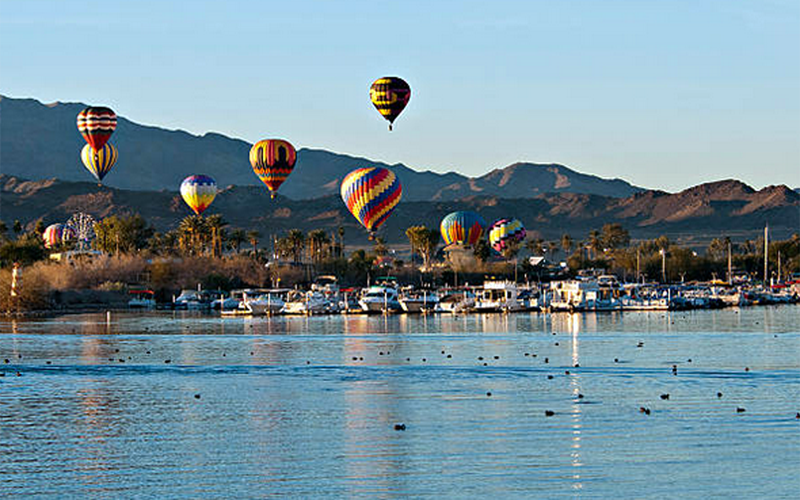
{"points": [[306, 407]]}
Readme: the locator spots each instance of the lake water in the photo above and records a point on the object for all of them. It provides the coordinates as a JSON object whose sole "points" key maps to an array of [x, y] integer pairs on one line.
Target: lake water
{"points": [[307, 407]]}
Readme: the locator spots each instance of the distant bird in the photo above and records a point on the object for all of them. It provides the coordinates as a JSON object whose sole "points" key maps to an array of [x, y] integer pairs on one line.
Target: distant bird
{"points": [[719, 394], [640, 344], [665, 396], [644, 410], [489, 394], [196, 396], [549, 413], [399, 427], [740, 409]]}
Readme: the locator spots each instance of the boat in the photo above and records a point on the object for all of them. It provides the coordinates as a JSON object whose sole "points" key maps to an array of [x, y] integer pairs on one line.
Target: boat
{"points": [[456, 301], [311, 302], [592, 294], [190, 300], [498, 296], [380, 298], [418, 301], [258, 302], [142, 299]]}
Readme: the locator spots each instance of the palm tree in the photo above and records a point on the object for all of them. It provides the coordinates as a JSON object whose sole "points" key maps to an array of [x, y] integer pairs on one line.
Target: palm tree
{"points": [[317, 240], [341, 240], [3, 229], [17, 227], [595, 243], [297, 242], [236, 238], [535, 246], [252, 237], [191, 231], [215, 225], [566, 244]]}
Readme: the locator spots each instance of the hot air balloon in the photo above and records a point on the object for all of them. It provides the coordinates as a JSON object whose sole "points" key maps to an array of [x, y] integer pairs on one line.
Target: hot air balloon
{"points": [[96, 124], [273, 160], [198, 192], [504, 232], [56, 234], [390, 95], [462, 228], [371, 194], [99, 161]]}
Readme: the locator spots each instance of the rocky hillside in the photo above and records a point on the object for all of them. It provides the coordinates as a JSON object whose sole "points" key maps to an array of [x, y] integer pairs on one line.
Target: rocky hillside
{"points": [[696, 214], [40, 141]]}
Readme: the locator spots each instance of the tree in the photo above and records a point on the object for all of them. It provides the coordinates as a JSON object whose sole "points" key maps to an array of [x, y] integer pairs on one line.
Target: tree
{"points": [[17, 227], [215, 224], [535, 246], [595, 243], [341, 239], [3, 230], [482, 251], [122, 234], [317, 241], [236, 238], [252, 238], [26, 250], [615, 236], [566, 244], [39, 227], [380, 247], [718, 248], [424, 242]]}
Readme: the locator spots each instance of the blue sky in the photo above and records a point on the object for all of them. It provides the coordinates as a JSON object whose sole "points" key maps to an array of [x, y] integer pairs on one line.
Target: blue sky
{"points": [[665, 94]]}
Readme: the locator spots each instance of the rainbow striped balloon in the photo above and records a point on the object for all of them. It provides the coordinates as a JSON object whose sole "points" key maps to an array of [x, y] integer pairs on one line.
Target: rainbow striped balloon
{"points": [[198, 192], [371, 194], [56, 234], [505, 231], [96, 124], [99, 161], [462, 228], [272, 161]]}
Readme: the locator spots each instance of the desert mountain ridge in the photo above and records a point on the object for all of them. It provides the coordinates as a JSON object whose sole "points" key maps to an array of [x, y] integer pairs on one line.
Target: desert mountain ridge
{"points": [[40, 141]]}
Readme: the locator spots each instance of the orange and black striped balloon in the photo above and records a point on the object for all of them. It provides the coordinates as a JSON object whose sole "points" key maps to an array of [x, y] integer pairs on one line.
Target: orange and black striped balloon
{"points": [[390, 95], [272, 161], [96, 124]]}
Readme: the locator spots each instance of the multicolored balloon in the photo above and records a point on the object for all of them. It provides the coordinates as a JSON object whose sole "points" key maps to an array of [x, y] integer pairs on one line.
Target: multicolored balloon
{"points": [[99, 161], [96, 124], [371, 194], [504, 232], [198, 192], [462, 228], [390, 96], [273, 160], [55, 234]]}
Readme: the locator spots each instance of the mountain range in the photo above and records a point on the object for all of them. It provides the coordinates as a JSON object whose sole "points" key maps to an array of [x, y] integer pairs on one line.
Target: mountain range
{"points": [[694, 216], [40, 141]]}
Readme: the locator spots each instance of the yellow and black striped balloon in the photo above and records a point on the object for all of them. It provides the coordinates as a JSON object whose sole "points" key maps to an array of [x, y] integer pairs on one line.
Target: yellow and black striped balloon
{"points": [[390, 95], [99, 161]]}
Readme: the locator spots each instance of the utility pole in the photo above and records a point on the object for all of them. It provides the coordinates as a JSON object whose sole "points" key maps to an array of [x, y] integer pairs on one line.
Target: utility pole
{"points": [[730, 271], [766, 254]]}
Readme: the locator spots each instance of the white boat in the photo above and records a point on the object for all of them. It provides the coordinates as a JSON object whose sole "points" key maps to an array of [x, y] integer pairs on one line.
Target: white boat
{"points": [[586, 295], [142, 299], [380, 298], [258, 302], [417, 301], [227, 303], [456, 301], [190, 300], [498, 296], [311, 302]]}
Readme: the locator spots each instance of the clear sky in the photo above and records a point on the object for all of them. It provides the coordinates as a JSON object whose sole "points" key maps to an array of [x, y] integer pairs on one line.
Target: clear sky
{"points": [[665, 94]]}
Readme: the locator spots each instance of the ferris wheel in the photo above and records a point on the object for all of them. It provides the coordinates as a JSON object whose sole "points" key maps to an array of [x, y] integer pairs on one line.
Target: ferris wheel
{"points": [[84, 229]]}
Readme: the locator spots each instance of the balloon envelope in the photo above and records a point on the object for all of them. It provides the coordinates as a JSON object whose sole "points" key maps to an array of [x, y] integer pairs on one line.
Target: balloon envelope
{"points": [[99, 161], [96, 124], [371, 194], [56, 234], [198, 192], [462, 228], [390, 96], [272, 161], [504, 232]]}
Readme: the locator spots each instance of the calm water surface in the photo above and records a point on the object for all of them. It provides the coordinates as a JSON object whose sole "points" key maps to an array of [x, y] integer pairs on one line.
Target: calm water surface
{"points": [[306, 407]]}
